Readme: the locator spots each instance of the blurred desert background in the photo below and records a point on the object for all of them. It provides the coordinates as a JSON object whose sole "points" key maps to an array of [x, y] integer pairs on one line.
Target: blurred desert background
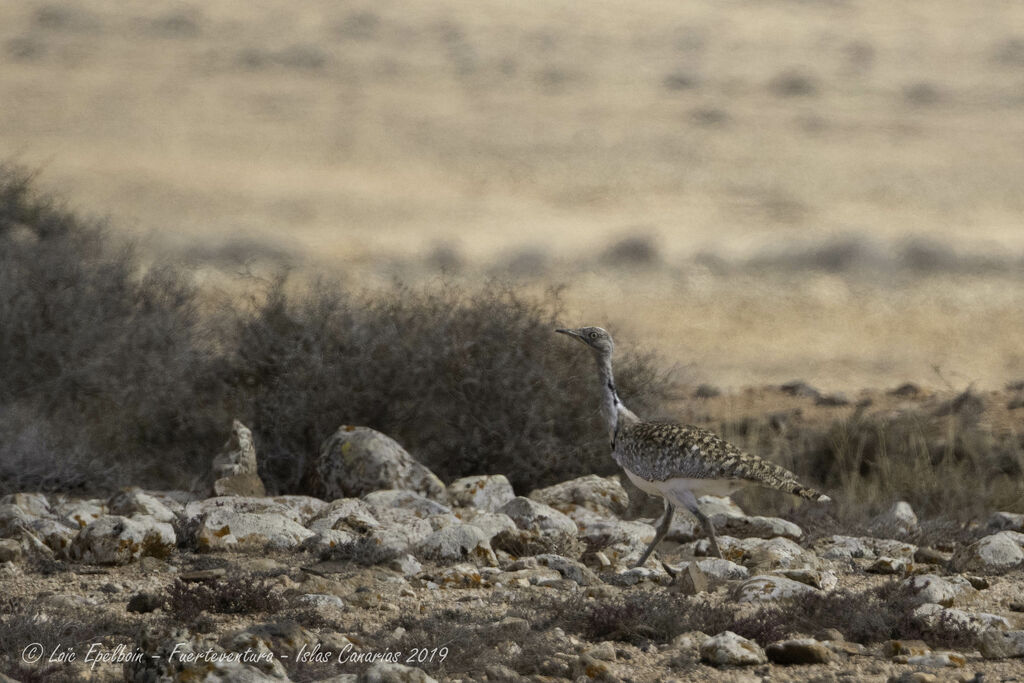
{"points": [[758, 192]]}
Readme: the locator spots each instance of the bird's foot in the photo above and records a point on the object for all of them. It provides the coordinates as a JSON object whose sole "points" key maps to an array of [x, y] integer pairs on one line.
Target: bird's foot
{"points": [[668, 570]]}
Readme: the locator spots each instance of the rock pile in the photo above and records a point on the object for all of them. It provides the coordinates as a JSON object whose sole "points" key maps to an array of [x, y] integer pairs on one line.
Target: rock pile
{"points": [[416, 542]]}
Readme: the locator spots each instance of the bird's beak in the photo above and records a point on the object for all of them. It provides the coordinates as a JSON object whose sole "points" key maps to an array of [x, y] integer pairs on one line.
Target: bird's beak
{"points": [[570, 333]]}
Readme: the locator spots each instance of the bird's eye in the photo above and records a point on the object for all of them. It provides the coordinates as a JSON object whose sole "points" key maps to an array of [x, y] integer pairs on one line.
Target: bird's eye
{"points": [[593, 335]]}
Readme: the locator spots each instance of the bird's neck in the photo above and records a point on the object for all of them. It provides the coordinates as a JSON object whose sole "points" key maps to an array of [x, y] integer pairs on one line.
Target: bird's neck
{"points": [[616, 414]]}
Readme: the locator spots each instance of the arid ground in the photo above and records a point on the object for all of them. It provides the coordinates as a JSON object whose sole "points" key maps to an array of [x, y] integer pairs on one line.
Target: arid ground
{"points": [[829, 191]]}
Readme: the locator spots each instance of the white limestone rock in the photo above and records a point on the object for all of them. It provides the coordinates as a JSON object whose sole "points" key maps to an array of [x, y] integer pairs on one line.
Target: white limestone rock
{"points": [[997, 552], [355, 461], [840, 547], [406, 500], [602, 495], [999, 521], [56, 535], [458, 543], [899, 520], [325, 540], [622, 542], [224, 529], [80, 513], [762, 554], [717, 569], [767, 588], [569, 569], [348, 514], [239, 505], [719, 509], [112, 539], [34, 504], [997, 644], [304, 508], [135, 501], [485, 492], [934, 615], [491, 523], [759, 527], [384, 672], [945, 591], [533, 516], [13, 518], [235, 469], [729, 649]]}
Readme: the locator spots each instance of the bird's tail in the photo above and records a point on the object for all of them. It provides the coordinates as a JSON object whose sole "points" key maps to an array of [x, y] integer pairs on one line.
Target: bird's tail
{"points": [[797, 489]]}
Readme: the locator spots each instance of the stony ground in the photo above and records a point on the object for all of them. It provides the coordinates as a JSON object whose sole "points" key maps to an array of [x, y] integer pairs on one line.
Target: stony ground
{"points": [[474, 583]]}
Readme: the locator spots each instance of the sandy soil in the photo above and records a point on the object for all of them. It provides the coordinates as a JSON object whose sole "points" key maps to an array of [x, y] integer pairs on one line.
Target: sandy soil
{"points": [[354, 134]]}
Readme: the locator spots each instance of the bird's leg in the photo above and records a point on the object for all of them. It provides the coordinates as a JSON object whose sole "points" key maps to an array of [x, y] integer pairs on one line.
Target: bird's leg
{"points": [[709, 530], [689, 501], [662, 529]]}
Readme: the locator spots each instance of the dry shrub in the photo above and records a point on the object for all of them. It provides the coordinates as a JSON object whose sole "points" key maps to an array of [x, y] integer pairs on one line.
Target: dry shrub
{"points": [[98, 360], [235, 595], [110, 375], [468, 382], [948, 466], [25, 621]]}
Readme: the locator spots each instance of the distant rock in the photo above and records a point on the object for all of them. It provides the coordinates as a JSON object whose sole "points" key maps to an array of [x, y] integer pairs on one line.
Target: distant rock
{"points": [[905, 390], [729, 649], [349, 514], [224, 529], [406, 500], [201, 659], [55, 535], [1000, 551], [569, 569], [800, 388], [134, 501], [458, 543], [799, 651], [899, 520], [720, 509], [34, 504], [241, 504], [1006, 521], [622, 542], [113, 539], [945, 591], [540, 529], [936, 616], [10, 550], [766, 588], [603, 495], [79, 513], [718, 569], [1001, 644], [355, 461], [486, 492], [760, 527], [13, 518], [839, 547], [762, 554], [235, 469], [383, 672], [491, 523], [304, 508], [531, 515]]}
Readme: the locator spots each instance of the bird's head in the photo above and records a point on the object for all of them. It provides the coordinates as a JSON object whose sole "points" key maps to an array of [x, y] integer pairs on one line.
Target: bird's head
{"points": [[596, 338]]}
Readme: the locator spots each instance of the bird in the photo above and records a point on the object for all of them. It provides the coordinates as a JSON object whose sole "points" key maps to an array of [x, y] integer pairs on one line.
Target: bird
{"points": [[677, 462]]}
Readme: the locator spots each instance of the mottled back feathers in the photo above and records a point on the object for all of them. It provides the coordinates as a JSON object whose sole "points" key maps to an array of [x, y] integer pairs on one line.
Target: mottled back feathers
{"points": [[658, 451]]}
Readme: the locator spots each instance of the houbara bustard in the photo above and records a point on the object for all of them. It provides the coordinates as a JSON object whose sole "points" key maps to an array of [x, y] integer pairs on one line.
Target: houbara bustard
{"points": [[678, 462]]}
